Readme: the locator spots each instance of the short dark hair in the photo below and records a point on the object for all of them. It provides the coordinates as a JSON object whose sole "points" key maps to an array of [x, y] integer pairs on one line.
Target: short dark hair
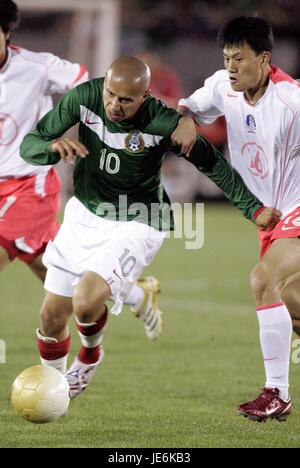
{"points": [[9, 15], [247, 29]]}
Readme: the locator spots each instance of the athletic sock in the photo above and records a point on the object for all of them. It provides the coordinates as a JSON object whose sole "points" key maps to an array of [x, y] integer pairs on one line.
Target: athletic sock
{"points": [[91, 336], [53, 353], [135, 296], [275, 339]]}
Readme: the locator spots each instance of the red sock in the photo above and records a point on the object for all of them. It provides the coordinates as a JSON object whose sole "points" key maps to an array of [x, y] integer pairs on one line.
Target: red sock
{"points": [[51, 351], [91, 338], [89, 355]]}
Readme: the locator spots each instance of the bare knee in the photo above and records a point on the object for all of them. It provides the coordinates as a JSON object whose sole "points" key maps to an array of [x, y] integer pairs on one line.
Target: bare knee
{"points": [[89, 308], [55, 313], [89, 298], [263, 285]]}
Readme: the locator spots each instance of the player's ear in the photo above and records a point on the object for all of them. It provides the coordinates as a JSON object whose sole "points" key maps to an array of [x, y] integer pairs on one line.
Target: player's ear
{"points": [[266, 58], [7, 36], [147, 94]]}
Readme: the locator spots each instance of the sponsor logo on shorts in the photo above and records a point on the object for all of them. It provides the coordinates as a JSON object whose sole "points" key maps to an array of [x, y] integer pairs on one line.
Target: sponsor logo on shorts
{"points": [[288, 228], [292, 222], [115, 273]]}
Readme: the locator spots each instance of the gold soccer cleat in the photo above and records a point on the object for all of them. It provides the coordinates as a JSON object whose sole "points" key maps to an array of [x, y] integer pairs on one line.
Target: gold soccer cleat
{"points": [[149, 311]]}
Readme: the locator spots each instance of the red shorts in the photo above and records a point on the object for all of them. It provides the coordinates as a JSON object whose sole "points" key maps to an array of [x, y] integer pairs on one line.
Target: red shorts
{"points": [[28, 210], [287, 228]]}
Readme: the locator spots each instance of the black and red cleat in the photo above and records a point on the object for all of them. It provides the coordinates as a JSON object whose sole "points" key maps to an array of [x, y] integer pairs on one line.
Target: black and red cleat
{"points": [[268, 405]]}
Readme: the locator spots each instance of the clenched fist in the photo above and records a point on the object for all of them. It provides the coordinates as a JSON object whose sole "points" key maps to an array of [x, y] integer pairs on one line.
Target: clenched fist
{"points": [[267, 219]]}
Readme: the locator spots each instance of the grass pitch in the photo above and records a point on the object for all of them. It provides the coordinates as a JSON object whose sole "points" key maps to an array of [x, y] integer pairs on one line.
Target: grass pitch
{"points": [[180, 391]]}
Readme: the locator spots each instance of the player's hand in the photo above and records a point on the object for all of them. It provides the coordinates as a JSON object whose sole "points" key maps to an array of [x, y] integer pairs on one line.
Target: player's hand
{"points": [[267, 219], [185, 134], [69, 149]]}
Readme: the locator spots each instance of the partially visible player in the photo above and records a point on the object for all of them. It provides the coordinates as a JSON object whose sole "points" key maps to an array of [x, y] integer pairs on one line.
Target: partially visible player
{"points": [[29, 196], [261, 104], [105, 242]]}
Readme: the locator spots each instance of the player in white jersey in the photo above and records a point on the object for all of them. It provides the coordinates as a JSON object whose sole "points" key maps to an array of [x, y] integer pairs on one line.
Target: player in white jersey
{"points": [[29, 196], [261, 105]]}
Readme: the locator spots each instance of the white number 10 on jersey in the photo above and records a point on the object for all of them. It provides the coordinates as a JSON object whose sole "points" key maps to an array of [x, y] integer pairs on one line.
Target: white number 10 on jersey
{"points": [[109, 162]]}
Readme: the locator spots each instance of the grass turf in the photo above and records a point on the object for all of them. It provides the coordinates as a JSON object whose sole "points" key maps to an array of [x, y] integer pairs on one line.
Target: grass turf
{"points": [[180, 391]]}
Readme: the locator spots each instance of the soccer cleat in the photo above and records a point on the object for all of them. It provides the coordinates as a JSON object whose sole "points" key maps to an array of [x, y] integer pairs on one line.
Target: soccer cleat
{"points": [[80, 375], [149, 311], [268, 405]]}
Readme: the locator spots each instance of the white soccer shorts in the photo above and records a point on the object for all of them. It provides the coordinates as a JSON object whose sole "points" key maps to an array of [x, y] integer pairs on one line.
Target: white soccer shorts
{"points": [[116, 251]]}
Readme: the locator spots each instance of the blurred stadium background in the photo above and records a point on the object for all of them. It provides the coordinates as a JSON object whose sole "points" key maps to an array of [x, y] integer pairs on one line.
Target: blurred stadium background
{"points": [[176, 37], [182, 390]]}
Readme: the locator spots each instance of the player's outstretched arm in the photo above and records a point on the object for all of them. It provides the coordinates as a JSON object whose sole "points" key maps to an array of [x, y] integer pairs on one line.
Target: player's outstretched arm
{"points": [[211, 162], [185, 133], [45, 145], [267, 218]]}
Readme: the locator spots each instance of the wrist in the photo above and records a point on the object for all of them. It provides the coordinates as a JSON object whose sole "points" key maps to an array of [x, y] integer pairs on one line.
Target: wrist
{"points": [[185, 112], [186, 120], [258, 212]]}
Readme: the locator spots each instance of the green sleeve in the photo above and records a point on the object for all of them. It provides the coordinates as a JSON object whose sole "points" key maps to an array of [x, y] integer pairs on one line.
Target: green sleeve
{"points": [[162, 119], [35, 146], [207, 159]]}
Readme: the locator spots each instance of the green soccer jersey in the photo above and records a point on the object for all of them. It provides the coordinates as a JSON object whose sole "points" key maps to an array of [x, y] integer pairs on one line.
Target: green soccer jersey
{"points": [[122, 173]]}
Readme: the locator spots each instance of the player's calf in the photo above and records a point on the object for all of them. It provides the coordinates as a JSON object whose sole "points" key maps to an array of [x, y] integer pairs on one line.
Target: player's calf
{"points": [[54, 316], [53, 336], [290, 294]]}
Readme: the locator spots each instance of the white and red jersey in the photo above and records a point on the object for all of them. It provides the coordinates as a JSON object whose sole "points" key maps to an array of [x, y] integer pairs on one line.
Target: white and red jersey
{"points": [[263, 139], [27, 82]]}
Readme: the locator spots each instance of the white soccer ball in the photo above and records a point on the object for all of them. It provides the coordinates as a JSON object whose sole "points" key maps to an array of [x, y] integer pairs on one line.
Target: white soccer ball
{"points": [[40, 394]]}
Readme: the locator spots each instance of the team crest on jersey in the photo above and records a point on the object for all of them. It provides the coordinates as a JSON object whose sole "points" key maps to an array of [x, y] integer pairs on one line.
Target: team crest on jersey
{"points": [[134, 142], [251, 124]]}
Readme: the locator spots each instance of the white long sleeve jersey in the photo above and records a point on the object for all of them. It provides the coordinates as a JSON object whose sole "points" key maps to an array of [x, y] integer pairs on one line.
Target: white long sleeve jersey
{"points": [[27, 81], [264, 139]]}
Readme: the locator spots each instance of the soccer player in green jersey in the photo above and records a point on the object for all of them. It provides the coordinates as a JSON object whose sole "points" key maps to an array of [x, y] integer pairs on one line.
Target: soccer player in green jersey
{"points": [[117, 220]]}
